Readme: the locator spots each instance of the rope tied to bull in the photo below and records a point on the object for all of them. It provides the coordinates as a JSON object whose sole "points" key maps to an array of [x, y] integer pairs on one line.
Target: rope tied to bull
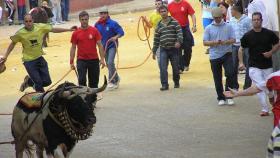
{"points": [[147, 33]]}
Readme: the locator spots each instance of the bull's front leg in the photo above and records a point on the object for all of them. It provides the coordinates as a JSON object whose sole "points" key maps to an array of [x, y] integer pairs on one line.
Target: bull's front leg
{"points": [[19, 147]]}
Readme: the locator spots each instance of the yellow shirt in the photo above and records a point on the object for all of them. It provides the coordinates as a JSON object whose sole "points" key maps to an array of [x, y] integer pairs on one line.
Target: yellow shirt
{"points": [[31, 40], [155, 18]]}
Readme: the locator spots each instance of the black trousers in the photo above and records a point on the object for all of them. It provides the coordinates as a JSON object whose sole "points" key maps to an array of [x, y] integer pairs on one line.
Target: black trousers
{"points": [[90, 67]]}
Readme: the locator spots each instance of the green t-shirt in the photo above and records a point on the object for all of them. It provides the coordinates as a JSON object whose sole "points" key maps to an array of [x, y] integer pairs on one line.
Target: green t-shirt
{"points": [[31, 40]]}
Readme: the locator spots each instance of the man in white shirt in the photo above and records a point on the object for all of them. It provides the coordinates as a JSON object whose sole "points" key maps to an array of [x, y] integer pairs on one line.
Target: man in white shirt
{"points": [[258, 6]]}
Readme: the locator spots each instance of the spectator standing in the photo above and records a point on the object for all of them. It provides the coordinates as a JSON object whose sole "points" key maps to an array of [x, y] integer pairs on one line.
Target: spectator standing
{"points": [[224, 8], [21, 10], [31, 38], [219, 36], [110, 31], [230, 5], [65, 9], [207, 18], [241, 25], [258, 6], [262, 43], [85, 38], [153, 21], [56, 9], [11, 10], [180, 10], [168, 38]]}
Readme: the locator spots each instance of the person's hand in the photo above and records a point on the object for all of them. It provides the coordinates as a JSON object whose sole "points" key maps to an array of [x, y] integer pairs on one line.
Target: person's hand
{"points": [[194, 29], [113, 38], [231, 93], [177, 45], [154, 56], [267, 54], [241, 67], [102, 63], [73, 28], [72, 66]]}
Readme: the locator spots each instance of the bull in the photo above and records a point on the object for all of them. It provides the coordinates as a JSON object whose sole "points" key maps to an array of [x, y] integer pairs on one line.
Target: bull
{"points": [[66, 116]]}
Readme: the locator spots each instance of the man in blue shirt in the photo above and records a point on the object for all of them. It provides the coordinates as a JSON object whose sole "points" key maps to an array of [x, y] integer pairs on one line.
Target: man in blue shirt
{"points": [[241, 24], [219, 36], [110, 31]]}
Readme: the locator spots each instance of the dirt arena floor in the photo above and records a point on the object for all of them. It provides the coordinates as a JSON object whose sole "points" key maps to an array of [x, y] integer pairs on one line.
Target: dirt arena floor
{"points": [[138, 120]]}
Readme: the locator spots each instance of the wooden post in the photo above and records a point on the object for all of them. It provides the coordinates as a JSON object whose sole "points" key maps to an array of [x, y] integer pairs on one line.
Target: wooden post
{"points": [[276, 56], [4, 15]]}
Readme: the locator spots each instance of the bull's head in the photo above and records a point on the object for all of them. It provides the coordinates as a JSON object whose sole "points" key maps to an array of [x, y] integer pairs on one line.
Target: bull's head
{"points": [[76, 103]]}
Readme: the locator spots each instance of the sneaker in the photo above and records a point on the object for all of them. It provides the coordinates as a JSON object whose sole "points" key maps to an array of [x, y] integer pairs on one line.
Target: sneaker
{"points": [[230, 102], [221, 102], [112, 86], [186, 68], [24, 84], [263, 113]]}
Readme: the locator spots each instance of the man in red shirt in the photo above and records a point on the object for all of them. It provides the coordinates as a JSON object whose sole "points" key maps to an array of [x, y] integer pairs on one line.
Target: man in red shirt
{"points": [[181, 10], [86, 38]]}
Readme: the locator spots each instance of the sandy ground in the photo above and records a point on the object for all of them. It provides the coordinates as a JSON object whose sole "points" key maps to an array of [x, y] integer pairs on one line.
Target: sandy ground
{"points": [[139, 121]]}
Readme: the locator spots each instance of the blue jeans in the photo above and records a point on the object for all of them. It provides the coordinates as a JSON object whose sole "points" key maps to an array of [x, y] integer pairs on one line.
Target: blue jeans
{"points": [[166, 55], [90, 67], [247, 82], [110, 60], [21, 13], [65, 9], [216, 67], [39, 73]]}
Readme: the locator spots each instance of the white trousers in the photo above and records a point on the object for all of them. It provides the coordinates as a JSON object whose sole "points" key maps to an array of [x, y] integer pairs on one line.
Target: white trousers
{"points": [[258, 76]]}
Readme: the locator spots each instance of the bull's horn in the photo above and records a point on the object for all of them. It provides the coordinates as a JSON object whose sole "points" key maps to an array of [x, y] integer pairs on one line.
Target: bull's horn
{"points": [[65, 94], [97, 90]]}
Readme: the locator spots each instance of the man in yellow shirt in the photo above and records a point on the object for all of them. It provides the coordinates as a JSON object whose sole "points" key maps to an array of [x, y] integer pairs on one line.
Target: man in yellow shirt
{"points": [[153, 21], [31, 38]]}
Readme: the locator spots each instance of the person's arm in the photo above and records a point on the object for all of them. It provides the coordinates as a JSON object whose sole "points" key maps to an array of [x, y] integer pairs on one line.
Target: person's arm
{"points": [[247, 92], [147, 22], [273, 50], [119, 32], [72, 55], [156, 43], [240, 58], [59, 30], [194, 23], [211, 43], [101, 53], [9, 50]]}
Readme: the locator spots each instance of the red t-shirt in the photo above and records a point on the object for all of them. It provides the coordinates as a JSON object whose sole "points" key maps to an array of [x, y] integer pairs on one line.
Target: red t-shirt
{"points": [[21, 3], [86, 39], [180, 11]]}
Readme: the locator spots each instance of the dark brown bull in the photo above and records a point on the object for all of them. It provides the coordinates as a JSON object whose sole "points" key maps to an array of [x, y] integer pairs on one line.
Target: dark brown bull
{"points": [[66, 117]]}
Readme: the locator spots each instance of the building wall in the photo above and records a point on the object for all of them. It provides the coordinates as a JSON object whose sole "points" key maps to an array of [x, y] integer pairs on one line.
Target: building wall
{"points": [[78, 5]]}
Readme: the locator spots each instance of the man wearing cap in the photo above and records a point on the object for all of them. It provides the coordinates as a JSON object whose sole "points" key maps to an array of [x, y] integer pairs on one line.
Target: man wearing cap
{"points": [[110, 31], [219, 36], [85, 38]]}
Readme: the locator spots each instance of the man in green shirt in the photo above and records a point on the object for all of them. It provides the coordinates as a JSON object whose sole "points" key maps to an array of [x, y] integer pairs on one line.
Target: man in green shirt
{"points": [[31, 38]]}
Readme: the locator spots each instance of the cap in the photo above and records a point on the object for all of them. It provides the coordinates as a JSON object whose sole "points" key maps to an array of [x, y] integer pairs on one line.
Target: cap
{"points": [[217, 12], [103, 9]]}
